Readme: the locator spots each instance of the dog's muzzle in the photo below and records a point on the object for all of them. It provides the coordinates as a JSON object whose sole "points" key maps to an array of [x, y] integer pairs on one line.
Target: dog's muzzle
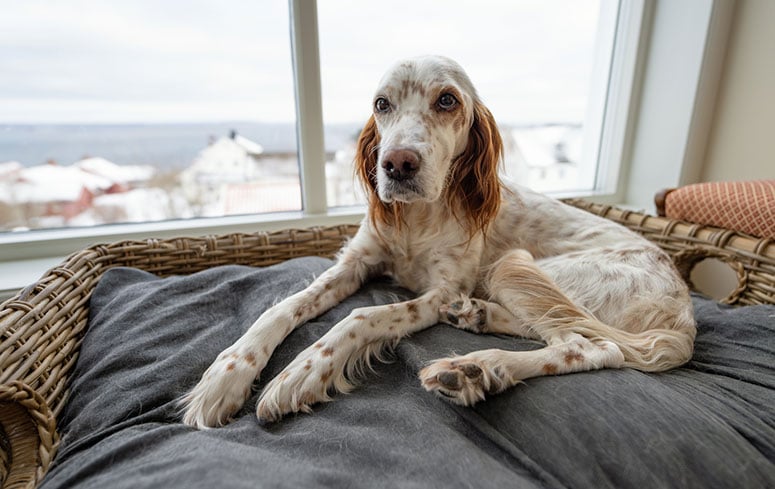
{"points": [[401, 164]]}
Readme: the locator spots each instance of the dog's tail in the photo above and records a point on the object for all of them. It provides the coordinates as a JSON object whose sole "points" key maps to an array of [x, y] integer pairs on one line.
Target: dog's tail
{"points": [[663, 340]]}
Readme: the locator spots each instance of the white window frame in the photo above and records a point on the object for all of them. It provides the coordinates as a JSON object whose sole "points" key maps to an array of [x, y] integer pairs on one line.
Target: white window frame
{"points": [[677, 77], [657, 43]]}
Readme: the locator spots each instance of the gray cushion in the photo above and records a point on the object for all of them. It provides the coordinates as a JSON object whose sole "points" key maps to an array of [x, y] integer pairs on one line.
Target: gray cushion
{"points": [[709, 424]]}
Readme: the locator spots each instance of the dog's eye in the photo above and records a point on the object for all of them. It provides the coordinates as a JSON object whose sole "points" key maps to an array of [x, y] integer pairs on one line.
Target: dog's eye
{"points": [[446, 101], [381, 105]]}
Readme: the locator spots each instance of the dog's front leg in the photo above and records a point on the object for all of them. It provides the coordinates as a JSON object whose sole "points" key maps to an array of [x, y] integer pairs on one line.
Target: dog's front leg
{"points": [[328, 365], [226, 384]]}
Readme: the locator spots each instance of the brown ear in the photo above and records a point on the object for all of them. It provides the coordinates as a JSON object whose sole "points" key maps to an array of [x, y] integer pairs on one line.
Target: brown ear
{"points": [[366, 154], [475, 188], [366, 157]]}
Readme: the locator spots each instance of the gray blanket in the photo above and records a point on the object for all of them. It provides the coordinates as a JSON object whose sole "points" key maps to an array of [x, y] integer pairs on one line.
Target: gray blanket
{"points": [[709, 424]]}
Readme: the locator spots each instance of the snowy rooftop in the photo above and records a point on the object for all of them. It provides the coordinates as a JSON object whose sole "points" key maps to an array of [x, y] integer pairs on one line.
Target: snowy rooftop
{"points": [[54, 183], [116, 173], [51, 183], [9, 168], [251, 147]]}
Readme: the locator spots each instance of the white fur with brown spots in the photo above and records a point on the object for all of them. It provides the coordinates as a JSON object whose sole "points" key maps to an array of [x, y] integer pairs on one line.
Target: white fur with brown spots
{"points": [[481, 255]]}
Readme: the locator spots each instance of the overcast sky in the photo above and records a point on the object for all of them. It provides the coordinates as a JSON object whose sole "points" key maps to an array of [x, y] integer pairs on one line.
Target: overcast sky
{"points": [[218, 60]]}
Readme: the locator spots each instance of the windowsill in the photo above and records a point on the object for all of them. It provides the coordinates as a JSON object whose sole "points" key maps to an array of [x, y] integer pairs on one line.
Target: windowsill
{"points": [[25, 257], [15, 275]]}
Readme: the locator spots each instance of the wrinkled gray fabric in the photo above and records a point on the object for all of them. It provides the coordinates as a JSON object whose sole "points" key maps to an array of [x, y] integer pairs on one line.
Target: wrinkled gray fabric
{"points": [[709, 424]]}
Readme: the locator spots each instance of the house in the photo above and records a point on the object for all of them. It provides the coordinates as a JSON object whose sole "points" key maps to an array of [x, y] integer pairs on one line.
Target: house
{"points": [[51, 195], [234, 164], [229, 159], [543, 157], [52, 190], [123, 175]]}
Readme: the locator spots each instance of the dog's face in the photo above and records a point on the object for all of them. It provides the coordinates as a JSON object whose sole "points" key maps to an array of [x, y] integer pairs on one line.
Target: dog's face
{"points": [[430, 139], [423, 111]]}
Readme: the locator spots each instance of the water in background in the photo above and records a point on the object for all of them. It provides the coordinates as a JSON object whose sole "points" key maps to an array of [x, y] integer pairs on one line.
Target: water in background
{"points": [[165, 146]]}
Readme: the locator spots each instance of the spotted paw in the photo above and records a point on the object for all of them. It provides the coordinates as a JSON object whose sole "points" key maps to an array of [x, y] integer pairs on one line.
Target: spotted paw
{"points": [[462, 380], [222, 391], [307, 380], [466, 313], [283, 396]]}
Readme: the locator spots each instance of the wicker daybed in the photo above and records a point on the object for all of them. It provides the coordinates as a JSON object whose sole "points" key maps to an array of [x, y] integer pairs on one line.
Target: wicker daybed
{"points": [[43, 326]]}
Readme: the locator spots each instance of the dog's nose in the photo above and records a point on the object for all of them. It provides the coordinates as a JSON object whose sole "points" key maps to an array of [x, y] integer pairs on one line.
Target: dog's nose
{"points": [[401, 164]]}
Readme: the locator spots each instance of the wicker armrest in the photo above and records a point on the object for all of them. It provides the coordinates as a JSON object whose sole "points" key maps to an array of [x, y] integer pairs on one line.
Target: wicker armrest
{"points": [[28, 436], [41, 328]]}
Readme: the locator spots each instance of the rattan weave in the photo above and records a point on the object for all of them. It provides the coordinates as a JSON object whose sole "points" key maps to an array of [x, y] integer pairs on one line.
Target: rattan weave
{"points": [[41, 327]]}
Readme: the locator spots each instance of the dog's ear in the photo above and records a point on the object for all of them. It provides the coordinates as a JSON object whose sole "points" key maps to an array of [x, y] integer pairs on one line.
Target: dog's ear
{"points": [[366, 154], [476, 184], [366, 157]]}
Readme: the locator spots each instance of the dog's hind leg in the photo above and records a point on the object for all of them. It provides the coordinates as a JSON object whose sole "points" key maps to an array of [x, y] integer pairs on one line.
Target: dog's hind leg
{"points": [[467, 379], [576, 339], [527, 303], [524, 302], [663, 341]]}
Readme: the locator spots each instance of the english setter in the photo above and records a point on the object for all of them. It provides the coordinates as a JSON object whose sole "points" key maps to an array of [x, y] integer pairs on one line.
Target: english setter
{"points": [[480, 255]]}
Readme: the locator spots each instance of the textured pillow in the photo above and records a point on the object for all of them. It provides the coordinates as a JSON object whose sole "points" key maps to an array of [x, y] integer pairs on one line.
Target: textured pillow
{"points": [[710, 424], [744, 206]]}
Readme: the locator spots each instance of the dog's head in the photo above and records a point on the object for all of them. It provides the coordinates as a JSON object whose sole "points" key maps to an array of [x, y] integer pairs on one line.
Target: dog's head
{"points": [[430, 138]]}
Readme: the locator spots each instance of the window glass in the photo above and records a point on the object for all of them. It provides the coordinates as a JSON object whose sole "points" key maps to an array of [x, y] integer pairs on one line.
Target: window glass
{"points": [[144, 110], [541, 67]]}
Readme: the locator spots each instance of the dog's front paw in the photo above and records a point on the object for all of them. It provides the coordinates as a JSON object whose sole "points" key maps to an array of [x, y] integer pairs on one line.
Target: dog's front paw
{"points": [[466, 313], [462, 380], [304, 382], [222, 391]]}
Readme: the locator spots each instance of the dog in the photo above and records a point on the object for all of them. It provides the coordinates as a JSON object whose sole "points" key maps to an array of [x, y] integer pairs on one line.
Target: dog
{"points": [[481, 255]]}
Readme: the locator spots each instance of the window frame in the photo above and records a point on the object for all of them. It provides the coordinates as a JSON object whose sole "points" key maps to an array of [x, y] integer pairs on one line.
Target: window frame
{"points": [[631, 123]]}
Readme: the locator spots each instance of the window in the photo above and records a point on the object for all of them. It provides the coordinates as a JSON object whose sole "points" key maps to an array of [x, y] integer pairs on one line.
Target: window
{"points": [[669, 59], [542, 68], [143, 111]]}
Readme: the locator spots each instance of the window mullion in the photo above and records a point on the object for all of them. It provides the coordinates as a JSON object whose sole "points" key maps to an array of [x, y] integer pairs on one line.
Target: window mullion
{"points": [[631, 39], [309, 107]]}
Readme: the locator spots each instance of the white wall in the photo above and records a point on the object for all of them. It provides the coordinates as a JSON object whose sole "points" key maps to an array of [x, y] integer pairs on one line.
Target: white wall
{"points": [[741, 143], [680, 74]]}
